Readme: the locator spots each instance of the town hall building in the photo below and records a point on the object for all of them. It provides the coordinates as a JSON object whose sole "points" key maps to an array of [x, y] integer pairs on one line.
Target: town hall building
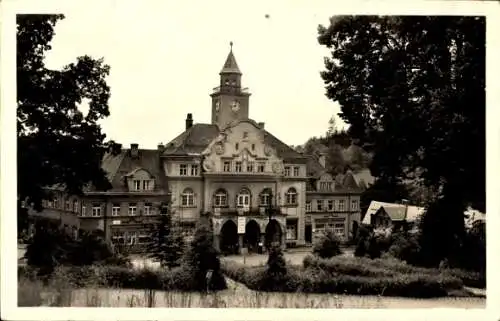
{"points": [[255, 188]]}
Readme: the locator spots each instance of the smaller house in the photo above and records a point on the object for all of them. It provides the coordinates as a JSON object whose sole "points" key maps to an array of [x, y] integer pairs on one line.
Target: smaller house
{"points": [[381, 214]]}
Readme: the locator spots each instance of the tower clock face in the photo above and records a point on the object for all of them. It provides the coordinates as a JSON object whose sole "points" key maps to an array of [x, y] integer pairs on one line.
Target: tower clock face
{"points": [[235, 106]]}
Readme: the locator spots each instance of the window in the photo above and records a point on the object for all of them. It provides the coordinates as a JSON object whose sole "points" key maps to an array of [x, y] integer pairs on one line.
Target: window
{"points": [[194, 170], [115, 210], [56, 202], [287, 171], [236, 146], [131, 238], [96, 210], [84, 210], [183, 171], [148, 209], [146, 185], [265, 197], [339, 229], [75, 206], [330, 205], [354, 205], [227, 166], [261, 167], [244, 198], [118, 237], [238, 166], [319, 205], [308, 207], [291, 196], [220, 198], [341, 205], [132, 209], [250, 167], [295, 171], [291, 232], [187, 197], [67, 205], [253, 146]]}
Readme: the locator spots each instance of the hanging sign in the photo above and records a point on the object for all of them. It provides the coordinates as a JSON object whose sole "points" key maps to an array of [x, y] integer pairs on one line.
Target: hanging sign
{"points": [[241, 225]]}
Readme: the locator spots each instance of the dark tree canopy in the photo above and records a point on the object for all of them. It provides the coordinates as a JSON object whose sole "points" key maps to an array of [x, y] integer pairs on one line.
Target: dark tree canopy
{"points": [[57, 144], [413, 89]]}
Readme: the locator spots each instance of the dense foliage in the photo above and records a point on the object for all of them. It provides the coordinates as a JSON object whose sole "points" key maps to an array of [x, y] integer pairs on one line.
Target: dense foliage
{"points": [[327, 246], [201, 256], [57, 144], [167, 243], [413, 89]]}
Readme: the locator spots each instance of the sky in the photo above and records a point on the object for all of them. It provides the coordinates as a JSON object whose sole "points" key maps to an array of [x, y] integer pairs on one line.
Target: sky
{"points": [[165, 59]]}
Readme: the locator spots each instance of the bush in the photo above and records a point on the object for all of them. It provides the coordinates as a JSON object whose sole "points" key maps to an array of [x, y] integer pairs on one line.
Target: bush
{"points": [[327, 246], [322, 281], [405, 247]]}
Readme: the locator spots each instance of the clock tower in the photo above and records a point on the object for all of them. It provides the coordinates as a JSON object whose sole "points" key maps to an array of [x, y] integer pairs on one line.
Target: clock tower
{"points": [[229, 100]]}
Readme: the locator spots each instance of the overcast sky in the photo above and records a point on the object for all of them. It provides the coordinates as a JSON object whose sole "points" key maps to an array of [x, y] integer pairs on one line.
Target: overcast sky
{"points": [[165, 58]]}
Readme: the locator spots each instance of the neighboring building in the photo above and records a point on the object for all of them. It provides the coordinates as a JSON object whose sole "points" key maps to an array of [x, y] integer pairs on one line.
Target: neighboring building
{"points": [[382, 214], [254, 188]]}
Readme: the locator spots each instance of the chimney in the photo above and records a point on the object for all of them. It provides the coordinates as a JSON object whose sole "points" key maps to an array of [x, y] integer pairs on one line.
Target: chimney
{"points": [[134, 150], [161, 147], [189, 121], [322, 159], [261, 125]]}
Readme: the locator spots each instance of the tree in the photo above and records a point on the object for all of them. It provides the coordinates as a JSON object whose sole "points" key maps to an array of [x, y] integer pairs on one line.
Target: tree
{"points": [[413, 89], [57, 144], [327, 246], [167, 242], [201, 256]]}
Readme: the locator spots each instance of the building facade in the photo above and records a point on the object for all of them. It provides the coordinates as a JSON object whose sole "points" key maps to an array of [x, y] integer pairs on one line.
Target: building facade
{"points": [[255, 188]]}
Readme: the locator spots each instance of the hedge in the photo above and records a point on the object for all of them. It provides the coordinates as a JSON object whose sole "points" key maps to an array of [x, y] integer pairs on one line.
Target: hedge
{"points": [[387, 268], [321, 281], [179, 279]]}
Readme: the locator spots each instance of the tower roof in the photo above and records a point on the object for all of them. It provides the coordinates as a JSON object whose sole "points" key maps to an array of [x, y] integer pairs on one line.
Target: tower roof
{"points": [[230, 66]]}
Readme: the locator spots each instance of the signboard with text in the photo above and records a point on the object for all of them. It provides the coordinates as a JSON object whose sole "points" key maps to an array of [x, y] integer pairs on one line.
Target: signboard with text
{"points": [[241, 225]]}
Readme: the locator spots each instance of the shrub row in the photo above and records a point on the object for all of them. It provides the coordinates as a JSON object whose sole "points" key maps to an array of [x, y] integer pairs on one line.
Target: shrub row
{"points": [[116, 276], [387, 268], [321, 281]]}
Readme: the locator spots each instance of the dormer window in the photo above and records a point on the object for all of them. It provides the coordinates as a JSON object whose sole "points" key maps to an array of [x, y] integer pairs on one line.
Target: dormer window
{"points": [[146, 185]]}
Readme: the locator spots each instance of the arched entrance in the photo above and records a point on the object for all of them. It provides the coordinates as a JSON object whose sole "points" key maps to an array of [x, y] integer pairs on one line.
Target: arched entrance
{"points": [[252, 236], [273, 233], [229, 238]]}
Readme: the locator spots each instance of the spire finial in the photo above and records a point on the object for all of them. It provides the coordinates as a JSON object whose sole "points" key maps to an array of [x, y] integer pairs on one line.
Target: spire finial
{"points": [[231, 44]]}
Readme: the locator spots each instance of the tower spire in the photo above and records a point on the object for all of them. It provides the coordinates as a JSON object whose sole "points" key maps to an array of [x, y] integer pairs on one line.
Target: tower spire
{"points": [[230, 66]]}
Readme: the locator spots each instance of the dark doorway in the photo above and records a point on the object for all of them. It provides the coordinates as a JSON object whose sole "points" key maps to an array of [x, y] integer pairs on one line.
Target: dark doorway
{"points": [[354, 230], [308, 233], [252, 236], [229, 238], [273, 233]]}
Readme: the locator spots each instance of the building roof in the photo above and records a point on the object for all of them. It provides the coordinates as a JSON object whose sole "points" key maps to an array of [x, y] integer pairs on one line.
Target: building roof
{"points": [[230, 66], [122, 164], [413, 213], [396, 213], [197, 138]]}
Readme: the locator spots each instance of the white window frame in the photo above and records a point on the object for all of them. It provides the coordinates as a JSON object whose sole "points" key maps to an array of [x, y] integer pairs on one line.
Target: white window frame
{"points": [[96, 211], [183, 170], [291, 196], [287, 170], [265, 198], [296, 171], [146, 184], [75, 206], [354, 205], [115, 210], [226, 166], [319, 205], [261, 167], [194, 170], [250, 167], [238, 167], [291, 232], [84, 210], [308, 206], [243, 199], [220, 198], [118, 235], [132, 209], [136, 184], [148, 209], [341, 205], [331, 205], [187, 198]]}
